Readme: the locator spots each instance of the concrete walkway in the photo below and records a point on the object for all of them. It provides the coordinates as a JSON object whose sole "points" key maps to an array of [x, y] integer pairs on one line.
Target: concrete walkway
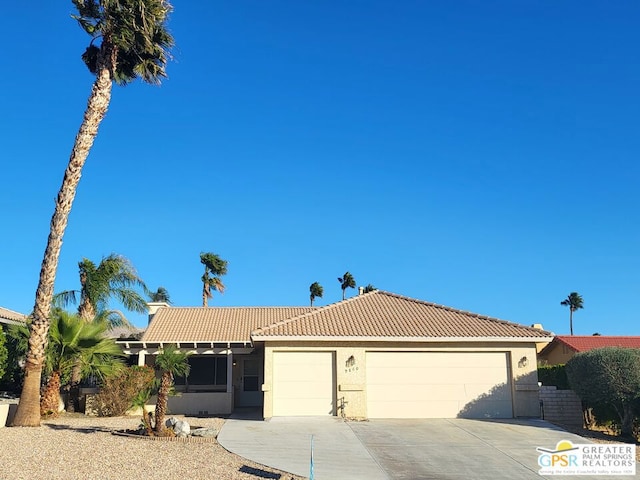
{"points": [[284, 443]]}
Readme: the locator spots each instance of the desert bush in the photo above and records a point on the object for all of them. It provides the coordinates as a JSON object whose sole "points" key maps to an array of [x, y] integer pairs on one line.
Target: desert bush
{"points": [[555, 375], [608, 379], [119, 392]]}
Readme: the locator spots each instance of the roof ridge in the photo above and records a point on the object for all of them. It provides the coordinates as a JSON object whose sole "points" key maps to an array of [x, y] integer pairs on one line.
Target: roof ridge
{"points": [[317, 310]]}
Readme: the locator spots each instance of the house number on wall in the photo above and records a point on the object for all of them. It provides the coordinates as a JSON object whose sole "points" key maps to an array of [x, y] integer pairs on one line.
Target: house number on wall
{"points": [[350, 364]]}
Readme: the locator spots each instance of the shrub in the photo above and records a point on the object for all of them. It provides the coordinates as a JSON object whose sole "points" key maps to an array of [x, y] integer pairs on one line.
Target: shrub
{"points": [[608, 378], [555, 375], [16, 337], [3, 354], [119, 391]]}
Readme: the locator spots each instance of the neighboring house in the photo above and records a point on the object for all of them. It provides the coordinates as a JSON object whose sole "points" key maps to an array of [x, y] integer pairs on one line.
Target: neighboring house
{"points": [[563, 347], [376, 355], [11, 318]]}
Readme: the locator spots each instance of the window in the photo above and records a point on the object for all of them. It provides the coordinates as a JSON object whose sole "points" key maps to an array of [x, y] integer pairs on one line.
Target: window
{"points": [[206, 370]]}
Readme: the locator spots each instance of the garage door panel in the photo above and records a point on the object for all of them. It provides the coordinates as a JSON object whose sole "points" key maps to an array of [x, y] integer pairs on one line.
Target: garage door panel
{"points": [[302, 390], [303, 383], [301, 372], [438, 385]]}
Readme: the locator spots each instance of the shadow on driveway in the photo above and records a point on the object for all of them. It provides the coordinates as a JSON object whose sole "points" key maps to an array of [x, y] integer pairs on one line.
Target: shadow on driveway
{"points": [[461, 449]]}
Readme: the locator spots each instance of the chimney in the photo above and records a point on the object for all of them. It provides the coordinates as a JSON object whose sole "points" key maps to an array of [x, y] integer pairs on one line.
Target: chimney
{"points": [[537, 326], [360, 290], [154, 307]]}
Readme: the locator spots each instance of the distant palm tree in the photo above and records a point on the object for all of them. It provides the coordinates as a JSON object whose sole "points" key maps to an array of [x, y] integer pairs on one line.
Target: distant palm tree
{"points": [[346, 281], [574, 302], [72, 341], [170, 363], [160, 295], [214, 268], [114, 278], [369, 288], [316, 291], [129, 40]]}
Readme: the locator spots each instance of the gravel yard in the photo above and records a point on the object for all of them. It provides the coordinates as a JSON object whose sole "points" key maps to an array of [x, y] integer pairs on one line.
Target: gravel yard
{"points": [[82, 447]]}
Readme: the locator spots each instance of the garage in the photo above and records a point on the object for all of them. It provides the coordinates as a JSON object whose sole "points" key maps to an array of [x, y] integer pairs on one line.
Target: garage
{"points": [[303, 383], [438, 385]]}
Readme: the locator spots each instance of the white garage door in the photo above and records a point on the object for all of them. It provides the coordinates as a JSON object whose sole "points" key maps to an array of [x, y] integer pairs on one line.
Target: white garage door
{"points": [[303, 383], [438, 385]]}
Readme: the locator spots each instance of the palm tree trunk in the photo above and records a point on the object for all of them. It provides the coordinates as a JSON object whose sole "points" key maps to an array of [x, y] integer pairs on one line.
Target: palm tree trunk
{"points": [[73, 399], [570, 320], [51, 396], [204, 295], [28, 412], [161, 404], [86, 311]]}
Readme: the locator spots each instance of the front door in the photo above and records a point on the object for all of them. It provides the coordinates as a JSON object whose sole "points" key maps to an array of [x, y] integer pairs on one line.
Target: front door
{"points": [[250, 391]]}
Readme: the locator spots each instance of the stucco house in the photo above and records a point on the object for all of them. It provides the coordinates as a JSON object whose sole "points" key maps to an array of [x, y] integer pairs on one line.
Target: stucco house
{"points": [[563, 347], [9, 317], [375, 355]]}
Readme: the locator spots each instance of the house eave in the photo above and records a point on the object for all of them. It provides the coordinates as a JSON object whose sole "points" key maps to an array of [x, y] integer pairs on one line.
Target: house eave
{"points": [[378, 339], [8, 321], [185, 344]]}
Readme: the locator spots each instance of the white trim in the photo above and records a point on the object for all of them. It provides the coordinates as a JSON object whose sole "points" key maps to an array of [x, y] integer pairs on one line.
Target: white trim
{"points": [[194, 342], [229, 371]]}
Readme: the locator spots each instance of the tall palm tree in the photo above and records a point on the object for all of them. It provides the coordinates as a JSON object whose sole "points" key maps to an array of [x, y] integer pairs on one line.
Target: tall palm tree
{"points": [[114, 278], [214, 268], [574, 302], [129, 40], [170, 362], [160, 295], [316, 291], [346, 281], [369, 288]]}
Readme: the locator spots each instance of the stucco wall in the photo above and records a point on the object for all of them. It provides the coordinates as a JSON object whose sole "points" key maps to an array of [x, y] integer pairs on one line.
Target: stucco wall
{"points": [[351, 400], [557, 354]]}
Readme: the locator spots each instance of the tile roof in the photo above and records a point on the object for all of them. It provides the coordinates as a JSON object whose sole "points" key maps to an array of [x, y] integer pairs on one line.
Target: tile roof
{"points": [[383, 315], [9, 316], [583, 343], [214, 324]]}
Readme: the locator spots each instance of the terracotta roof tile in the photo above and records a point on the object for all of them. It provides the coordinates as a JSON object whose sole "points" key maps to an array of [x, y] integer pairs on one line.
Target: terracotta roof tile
{"points": [[383, 314], [583, 343], [9, 316], [214, 324]]}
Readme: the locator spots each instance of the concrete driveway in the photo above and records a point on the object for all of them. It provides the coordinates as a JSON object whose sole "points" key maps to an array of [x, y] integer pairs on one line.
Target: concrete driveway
{"points": [[397, 449], [461, 449]]}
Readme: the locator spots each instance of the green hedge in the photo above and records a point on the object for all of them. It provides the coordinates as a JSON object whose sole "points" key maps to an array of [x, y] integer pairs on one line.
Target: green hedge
{"points": [[554, 375]]}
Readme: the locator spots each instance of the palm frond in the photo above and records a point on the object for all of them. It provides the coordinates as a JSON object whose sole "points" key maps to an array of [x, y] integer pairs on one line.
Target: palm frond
{"points": [[66, 298]]}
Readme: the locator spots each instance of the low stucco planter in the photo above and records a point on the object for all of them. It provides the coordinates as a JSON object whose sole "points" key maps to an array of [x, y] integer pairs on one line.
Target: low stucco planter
{"points": [[7, 412]]}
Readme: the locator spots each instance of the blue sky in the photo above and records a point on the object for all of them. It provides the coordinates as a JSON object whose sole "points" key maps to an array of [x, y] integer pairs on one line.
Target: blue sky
{"points": [[481, 155]]}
